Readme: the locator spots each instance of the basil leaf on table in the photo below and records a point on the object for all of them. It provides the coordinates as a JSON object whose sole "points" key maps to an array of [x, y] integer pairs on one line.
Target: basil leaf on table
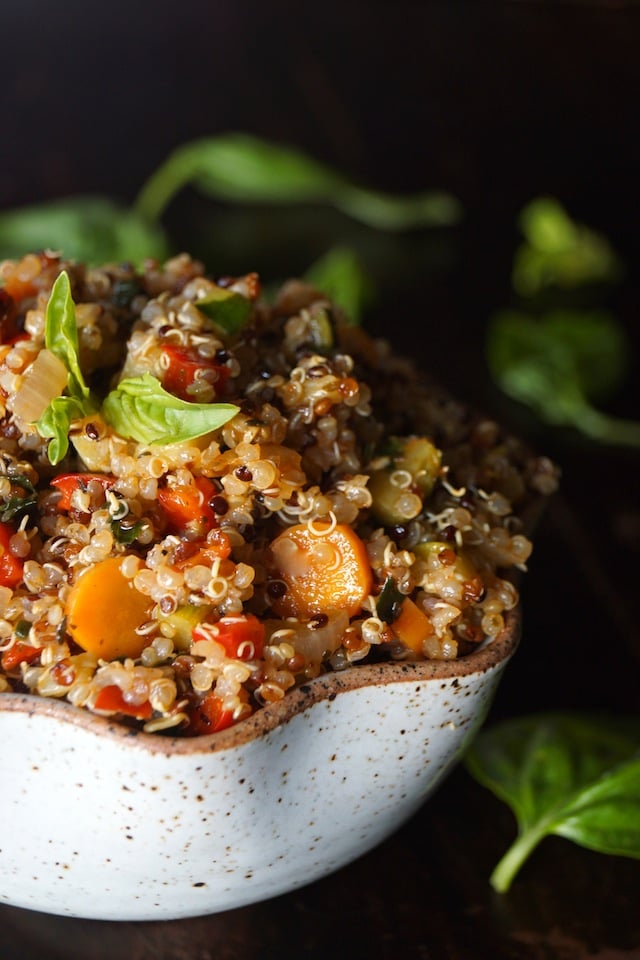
{"points": [[141, 409], [570, 775], [94, 229], [557, 363], [559, 252], [243, 168]]}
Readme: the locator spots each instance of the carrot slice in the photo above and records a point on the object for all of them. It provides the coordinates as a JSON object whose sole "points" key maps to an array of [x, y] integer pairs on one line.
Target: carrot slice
{"points": [[412, 626], [323, 568], [103, 611]]}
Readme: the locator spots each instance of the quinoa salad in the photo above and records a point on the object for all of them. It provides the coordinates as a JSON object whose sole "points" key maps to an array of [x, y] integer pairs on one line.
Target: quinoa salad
{"points": [[208, 497]]}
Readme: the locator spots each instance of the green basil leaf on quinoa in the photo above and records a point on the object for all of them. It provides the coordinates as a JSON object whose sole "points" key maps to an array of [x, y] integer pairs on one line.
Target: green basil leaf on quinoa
{"points": [[61, 333], [61, 339], [568, 774], [390, 601], [55, 423], [228, 309], [241, 168], [140, 409]]}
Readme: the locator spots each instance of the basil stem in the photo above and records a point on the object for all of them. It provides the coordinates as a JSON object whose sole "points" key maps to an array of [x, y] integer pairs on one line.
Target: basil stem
{"points": [[246, 169]]}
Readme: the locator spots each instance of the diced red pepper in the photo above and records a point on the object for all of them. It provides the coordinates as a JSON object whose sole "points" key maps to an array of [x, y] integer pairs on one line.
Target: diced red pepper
{"points": [[187, 507], [10, 567], [209, 716], [110, 698], [19, 653], [218, 546], [185, 366], [242, 637], [68, 483]]}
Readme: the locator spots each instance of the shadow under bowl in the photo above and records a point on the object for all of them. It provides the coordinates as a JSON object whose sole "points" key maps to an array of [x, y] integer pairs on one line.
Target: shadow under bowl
{"points": [[109, 823]]}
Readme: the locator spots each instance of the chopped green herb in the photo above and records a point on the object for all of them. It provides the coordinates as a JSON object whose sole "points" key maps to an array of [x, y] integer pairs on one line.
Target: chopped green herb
{"points": [[228, 310], [16, 505], [390, 601], [22, 629], [126, 531]]}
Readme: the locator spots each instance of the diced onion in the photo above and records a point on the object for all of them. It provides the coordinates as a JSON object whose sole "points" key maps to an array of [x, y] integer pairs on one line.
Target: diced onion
{"points": [[45, 380]]}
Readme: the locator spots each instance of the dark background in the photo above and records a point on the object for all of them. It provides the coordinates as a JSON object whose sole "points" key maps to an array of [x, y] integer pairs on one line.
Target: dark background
{"points": [[496, 103]]}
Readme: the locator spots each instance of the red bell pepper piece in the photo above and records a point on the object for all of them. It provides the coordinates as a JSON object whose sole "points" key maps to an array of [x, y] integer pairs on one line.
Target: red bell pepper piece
{"points": [[19, 653], [242, 637], [209, 716], [187, 507], [10, 567], [185, 366], [110, 698], [68, 483]]}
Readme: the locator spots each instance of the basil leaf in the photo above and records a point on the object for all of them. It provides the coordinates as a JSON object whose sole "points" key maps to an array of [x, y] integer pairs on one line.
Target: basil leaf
{"points": [[139, 408], [61, 338], [557, 362], [93, 229], [246, 169], [340, 275], [61, 333], [558, 252], [571, 775], [55, 423], [228, 309]]}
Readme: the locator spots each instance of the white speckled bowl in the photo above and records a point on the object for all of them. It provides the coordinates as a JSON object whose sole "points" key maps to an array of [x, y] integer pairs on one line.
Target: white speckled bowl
{"points": [[106, 823]]}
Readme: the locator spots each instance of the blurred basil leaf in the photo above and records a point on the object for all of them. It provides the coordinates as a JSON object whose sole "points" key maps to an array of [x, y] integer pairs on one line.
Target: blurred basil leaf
{"points": [[340, 275], [94, 229], [557, 363], [246, 169], [558, 252], [573, 775]]}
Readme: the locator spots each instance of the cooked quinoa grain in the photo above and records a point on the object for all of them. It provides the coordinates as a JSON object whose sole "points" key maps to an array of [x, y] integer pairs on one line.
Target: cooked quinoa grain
{"points": [[342, 510]]}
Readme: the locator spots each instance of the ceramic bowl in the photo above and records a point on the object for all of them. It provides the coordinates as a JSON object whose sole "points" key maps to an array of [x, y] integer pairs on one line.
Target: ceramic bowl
{"points": [[107, 823]]}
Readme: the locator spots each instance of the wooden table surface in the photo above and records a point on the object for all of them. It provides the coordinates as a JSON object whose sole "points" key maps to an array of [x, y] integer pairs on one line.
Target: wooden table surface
{"points": [[496, 102]]}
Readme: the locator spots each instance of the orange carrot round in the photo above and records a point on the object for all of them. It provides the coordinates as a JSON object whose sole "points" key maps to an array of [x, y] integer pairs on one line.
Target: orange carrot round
{"points": [[103, 611], [324, 567]]}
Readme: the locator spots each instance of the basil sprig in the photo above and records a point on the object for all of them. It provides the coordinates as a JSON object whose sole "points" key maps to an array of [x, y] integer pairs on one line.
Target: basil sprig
{"points": [[61, 338], [568, 774], [141, 409]]}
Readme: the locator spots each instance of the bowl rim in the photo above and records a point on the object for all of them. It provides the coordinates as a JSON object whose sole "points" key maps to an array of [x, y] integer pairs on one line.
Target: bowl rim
{"points": [[490, 655]]}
